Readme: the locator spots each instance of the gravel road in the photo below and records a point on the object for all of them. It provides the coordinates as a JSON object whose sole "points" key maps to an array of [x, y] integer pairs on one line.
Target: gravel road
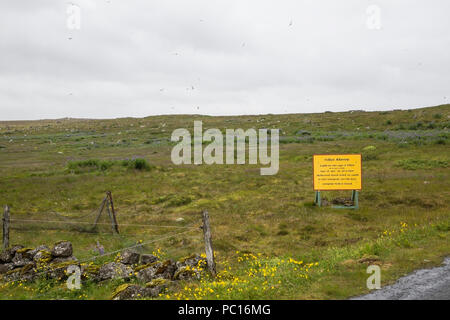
{"points": [[424, 284]]}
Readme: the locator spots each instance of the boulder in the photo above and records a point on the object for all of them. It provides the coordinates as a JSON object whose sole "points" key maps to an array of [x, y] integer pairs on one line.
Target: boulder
{"points": [[148, 258], [12, 275], [42, 256], [6, 256], [62, 249], [33, 252], [157, 270], [132, 291], [158, 283], [26, 253], [4, 268], [59, 270], [186, 273], [126, 292], [114, 270], [89, 271], [14, 248], [166, 270], [20, 259], [149, 273], [27, 272], [129, 257], [191, 261]]}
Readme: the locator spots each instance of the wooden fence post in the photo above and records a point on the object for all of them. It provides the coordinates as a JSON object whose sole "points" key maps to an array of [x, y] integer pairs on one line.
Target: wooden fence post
{"points": [[6, 228], [114, 220], [208, 244]]}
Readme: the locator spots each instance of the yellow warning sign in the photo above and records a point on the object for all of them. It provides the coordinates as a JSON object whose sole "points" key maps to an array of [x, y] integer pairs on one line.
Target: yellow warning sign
{"points": [[337, 172]]}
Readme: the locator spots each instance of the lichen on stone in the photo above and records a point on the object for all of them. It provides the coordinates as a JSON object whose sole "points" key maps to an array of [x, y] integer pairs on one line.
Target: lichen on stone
{"points": [[119, 289], [145, 266], [192, 256], [24, 250], [157, 282], [43, 256], [61, 265], [92, 269], [26, 268]]}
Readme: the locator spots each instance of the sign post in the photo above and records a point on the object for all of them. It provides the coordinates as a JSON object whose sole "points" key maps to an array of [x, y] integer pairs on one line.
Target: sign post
{"points": [[337, 172]]}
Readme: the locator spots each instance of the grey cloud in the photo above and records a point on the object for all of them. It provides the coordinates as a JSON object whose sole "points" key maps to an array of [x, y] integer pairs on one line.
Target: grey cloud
{"points": [[138, 58]]}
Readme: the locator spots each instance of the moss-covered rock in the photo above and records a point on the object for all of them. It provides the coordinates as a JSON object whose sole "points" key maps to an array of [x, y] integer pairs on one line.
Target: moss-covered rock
{"points": [[42, 256], [26, 272], [157, 283], [186, 273], [129, 257], [194, 260], [6, 256], [114, 270], [133, 291], [148, 258], [91, 269], [192, 256], [26, 268], [24, 250], [20, 259], [14, 248], [149, 273], [62, 249], [59, 270], [33, 252], [4, 268], [145, 266], [120, 289], [166, 269]]}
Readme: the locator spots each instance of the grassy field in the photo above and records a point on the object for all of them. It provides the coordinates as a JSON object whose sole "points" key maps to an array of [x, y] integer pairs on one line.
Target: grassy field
{"points": [[271, 242]]}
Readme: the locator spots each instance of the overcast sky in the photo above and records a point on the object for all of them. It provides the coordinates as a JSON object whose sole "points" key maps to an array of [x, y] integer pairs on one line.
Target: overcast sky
{"points": [[139, 58]]}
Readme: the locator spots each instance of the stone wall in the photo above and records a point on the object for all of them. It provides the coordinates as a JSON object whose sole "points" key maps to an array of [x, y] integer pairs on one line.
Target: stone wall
{"points": [[147, 274]]}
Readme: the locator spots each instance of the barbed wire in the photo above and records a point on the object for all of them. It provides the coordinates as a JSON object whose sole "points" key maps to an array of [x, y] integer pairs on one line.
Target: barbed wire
{"points": [[71, 231], [102, 223]]}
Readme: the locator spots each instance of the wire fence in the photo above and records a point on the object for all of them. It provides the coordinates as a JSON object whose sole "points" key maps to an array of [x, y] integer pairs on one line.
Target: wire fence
{"points": [[91, 227], [109, 253]]}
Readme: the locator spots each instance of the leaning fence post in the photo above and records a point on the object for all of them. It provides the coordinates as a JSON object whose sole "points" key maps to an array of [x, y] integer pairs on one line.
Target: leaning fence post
{"points": [[100, 211], [6, 228], [114, 220], [208, 244]]}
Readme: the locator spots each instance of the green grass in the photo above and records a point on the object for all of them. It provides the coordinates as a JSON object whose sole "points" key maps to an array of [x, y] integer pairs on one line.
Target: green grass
{"points": [[66, 166], [414, 164]]}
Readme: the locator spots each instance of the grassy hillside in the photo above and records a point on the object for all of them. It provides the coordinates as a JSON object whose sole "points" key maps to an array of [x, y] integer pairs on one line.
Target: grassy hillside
{"points": [[271, 241]]}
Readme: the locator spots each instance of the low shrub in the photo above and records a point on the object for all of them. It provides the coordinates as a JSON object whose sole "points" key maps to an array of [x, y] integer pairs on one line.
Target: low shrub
{"points": [[137, 164], [104, 165]]}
